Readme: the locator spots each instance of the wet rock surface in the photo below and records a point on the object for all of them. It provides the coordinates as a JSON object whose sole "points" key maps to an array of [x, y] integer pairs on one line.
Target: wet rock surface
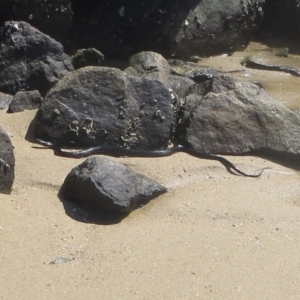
{"points": [[30, 59], [7, 163], [101, 184]]}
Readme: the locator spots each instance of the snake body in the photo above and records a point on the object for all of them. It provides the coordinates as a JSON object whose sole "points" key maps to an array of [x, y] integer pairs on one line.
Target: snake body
{"points": [[120, 151]]}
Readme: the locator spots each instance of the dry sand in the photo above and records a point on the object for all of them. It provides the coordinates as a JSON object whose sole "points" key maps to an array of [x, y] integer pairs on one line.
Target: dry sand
{"points": [[215, 235]]}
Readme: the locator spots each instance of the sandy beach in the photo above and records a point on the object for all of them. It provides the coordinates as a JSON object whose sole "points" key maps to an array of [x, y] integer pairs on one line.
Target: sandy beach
{"points": [[214, 235]]}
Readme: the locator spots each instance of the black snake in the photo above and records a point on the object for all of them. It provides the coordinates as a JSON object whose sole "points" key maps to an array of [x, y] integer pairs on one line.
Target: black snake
{"points": [[120, 151]]}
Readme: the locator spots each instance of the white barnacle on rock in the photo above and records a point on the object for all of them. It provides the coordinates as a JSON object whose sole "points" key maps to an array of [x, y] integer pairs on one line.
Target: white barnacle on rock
{"points": [[16, 26], [122, 12], [186, 22], [172, 94], [56, 111], [4, 166]]}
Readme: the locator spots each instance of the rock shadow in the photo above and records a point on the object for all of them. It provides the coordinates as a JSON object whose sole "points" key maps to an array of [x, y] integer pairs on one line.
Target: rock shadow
{"points": [[288, 160], [29, 137], [89, 214]]}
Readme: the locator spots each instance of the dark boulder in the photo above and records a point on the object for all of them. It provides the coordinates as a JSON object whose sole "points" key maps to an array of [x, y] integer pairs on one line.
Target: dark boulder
{"points": [[87, 57], [7, 163], [214, 27], [25, 100], [99, 105], [171, 27], [239, 117], [154, 66], [29, 59], [51, 17], [101, 184]]}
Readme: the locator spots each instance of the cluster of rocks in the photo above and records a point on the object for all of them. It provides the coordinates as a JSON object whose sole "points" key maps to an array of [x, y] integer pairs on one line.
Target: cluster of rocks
{"points": [[152, 103], [170, 27]]}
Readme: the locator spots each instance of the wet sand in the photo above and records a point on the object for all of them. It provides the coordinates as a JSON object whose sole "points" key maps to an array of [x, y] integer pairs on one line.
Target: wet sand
{"points": [[215, 235]]}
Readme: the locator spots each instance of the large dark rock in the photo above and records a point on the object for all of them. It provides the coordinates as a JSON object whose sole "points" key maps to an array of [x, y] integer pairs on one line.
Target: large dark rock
{"points": [[171, 27], [147, 64], [99, 105], [214, 27], [239, 117], [29, 59], [87, 57], [25, 100], [7, 163], [51, 17], [101, 184]]}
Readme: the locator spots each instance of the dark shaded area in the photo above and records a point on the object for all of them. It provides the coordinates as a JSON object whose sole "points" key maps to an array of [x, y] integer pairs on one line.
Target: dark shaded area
{"points": [[128, 26], [281, 25], [282, 16], [90, 214], [51, 17], [288, 160], [178, 28], [30, 132]]}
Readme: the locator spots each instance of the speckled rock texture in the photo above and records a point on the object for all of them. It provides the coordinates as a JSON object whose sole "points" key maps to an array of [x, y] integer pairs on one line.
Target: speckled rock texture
{"points": [[236, 117], [30, 60], [102, 184], [100, 105]]}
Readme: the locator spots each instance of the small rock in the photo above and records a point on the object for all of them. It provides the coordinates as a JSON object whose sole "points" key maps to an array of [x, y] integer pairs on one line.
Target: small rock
{"points": [[101, 184], [195, 58], [60, 260], [25, 100]]}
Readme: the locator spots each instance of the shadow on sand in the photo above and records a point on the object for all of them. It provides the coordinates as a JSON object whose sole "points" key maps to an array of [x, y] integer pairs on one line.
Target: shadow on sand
{"points": [[89, 214]]}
